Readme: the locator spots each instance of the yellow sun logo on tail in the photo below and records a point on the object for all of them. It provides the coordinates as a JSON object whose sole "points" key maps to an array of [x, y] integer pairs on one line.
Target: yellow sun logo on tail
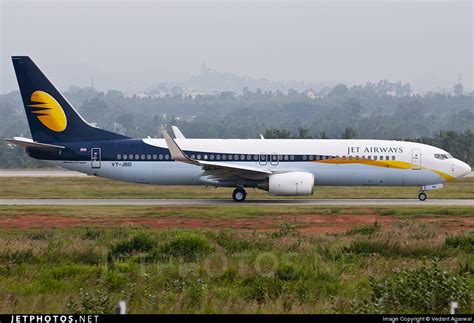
{"points": [[48, 111]]}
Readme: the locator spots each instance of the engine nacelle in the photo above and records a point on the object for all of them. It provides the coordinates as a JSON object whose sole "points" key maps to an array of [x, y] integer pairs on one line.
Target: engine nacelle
{"points": [[291, 184]]}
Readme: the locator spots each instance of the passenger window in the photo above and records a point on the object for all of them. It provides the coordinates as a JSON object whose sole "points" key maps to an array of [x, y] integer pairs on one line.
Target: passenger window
{"points": [[119, 156], [387, 157], [249, 157], [137, 157], [350, 157], [343, 157], [242, 157], [154, 156], [198, 156], [292, 157], [304, 157], [124, 156], [205, 156], [224, 157], [142, 156], [285, 157], [375, 157], [167, 156], [357, 157], [211, 157], [161, 157], [381, 157], [255, 157], [230, 157], [236, 157], [130, 156], [393, 157]]}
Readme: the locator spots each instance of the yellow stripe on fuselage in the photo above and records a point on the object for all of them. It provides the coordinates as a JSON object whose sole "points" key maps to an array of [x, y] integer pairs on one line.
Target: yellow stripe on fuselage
{"points": [[379, 163]]}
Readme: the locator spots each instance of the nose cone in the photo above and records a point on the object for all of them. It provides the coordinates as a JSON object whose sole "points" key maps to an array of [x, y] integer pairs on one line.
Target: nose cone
{"points": [[462, 169]]}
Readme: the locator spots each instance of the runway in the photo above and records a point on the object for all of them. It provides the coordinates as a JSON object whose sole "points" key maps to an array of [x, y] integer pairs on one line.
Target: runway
{"points": [[224, 202]]}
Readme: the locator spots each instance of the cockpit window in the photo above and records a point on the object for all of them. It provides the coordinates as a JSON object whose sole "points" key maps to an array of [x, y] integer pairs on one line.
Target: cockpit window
{"points": [[442, 156]]}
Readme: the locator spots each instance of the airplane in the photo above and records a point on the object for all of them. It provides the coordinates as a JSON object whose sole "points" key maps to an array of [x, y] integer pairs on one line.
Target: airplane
{"points": [[285, 167]]}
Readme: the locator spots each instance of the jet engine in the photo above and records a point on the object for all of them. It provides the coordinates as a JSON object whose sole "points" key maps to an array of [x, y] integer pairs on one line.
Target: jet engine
{"points": [[290, 184]]}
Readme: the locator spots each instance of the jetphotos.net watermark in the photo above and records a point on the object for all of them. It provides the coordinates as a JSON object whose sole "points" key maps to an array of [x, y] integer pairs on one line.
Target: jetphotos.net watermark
{"points": [[54, 319]]}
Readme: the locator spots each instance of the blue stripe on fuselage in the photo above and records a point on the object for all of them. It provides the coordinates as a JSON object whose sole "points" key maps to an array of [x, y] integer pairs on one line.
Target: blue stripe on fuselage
{"points": [[110, 149]]}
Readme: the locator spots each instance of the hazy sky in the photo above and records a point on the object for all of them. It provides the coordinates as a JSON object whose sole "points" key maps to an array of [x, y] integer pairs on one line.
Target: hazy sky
{"points": [[130, 45]]}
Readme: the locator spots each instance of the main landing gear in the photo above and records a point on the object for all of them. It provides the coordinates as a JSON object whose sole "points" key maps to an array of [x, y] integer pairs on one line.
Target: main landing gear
{"points": [[239, 194], [422, 196]]}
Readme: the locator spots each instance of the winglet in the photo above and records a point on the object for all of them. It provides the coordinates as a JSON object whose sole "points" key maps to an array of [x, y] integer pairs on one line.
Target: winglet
{"points": [[177, 133], [176, 152]]}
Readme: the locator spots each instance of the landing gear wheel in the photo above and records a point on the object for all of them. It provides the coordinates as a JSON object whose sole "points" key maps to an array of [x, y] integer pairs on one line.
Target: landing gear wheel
{"points": [[422, 196], [239, 194]]}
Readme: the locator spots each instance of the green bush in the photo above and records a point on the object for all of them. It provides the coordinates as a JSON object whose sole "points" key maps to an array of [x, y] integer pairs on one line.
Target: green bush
{"points": [[287, 272], [138, 244], [465, 243], [428, 289], [262, 289], [231, 243], [188, 247]]}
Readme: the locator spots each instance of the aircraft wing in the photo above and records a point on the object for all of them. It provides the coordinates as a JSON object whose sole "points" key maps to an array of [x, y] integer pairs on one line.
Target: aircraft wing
{"points": [[215, 170], [29, 143]]}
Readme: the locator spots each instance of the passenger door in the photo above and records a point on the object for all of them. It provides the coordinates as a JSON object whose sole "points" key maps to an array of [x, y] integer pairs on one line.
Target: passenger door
{"points": [[95, 157], [416, 159]]}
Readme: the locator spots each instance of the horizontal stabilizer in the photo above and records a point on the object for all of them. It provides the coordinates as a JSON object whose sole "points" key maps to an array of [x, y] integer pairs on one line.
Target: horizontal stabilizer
{"points": [[29, 143]]}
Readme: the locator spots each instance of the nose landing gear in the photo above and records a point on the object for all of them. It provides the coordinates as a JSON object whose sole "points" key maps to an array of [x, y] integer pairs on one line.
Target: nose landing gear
{"points": [[239, 194], [422, 196]]}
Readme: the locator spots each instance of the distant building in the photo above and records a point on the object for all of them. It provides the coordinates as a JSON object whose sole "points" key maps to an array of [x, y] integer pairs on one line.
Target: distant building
{"points": [[310, 93]]}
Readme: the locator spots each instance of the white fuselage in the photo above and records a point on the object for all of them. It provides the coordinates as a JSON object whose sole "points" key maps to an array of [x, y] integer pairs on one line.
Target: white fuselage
{"points": [[352, 162]]}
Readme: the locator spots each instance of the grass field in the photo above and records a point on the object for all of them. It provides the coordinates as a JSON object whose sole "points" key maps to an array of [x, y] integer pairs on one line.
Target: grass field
{"points": [[235, 259], [91, 187]]}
